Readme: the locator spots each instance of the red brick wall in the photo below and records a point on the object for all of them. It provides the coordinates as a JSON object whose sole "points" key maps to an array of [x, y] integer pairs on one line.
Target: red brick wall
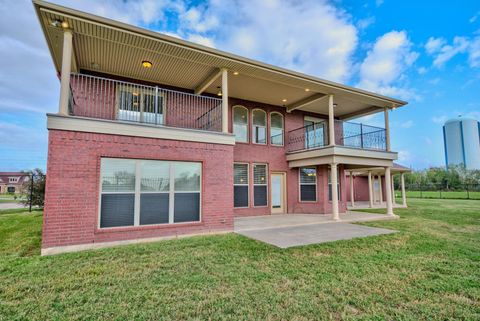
{"points": [[275, 157], [72, 191], [360, 188]]}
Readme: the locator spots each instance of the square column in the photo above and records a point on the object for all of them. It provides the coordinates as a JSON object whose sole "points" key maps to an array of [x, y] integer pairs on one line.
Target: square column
{"points": [[388, 186], [370, 189], [334, 180], [352, 192], [331, 122], [65, 72], [224, 101]]}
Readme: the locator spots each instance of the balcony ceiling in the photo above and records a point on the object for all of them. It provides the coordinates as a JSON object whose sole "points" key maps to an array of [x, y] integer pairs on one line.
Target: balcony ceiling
{"points": [[106, 46]]}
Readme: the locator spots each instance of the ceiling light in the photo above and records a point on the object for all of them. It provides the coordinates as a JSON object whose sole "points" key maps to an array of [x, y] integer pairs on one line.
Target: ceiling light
{"points": [[284, 100], [335, 105], [235, 73], [64, 25], [219, 93], [307, 89], [147, 64]]}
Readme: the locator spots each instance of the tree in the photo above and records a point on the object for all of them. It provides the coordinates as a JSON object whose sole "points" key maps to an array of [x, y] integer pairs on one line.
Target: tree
{"points": [[35, 188]]}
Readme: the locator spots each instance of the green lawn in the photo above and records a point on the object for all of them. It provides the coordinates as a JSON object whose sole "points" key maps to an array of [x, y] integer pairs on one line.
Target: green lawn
{"points": [[430, 270], [447, 195]]}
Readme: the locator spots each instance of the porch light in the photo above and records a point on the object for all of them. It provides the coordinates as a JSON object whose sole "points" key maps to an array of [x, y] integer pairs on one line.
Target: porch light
{"points": [[59, 23], [235, 73], [284, 100], [64, 25], [147, 64], [307, 89], [219, 93], [335, 105]]}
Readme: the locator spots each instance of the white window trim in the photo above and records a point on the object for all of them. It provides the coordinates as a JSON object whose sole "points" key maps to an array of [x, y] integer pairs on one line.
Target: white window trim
{"points": [[283, 129], [13, 179], [248, 124], [266, 184], [247, 184], [138, 193], [300, 185], [141, 90], [253, 128]]}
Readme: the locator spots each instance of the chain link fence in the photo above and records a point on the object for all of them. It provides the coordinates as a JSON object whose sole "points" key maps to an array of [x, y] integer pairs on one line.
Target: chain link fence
{"points": [[466, 191]]}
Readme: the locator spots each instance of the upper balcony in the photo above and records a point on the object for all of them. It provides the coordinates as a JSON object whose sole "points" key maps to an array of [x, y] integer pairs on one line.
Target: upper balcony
{"points": [[108, 99], [348, 134]]}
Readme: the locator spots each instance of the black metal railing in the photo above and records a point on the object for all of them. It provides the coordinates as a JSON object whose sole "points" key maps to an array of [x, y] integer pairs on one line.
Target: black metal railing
{"points": [[308, 137]]}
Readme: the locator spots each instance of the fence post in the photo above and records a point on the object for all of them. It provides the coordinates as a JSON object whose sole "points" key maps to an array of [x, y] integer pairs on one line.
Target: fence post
{"points": [[31, 194]]}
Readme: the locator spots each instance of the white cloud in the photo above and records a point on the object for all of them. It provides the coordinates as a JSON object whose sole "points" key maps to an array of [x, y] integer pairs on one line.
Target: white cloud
{"points": [[434, 45], [365, 23], [385, 64], [434, 81], [422, 70], [404, 156], [407, 124], [447, 52], [474, 17], [474, 53]]}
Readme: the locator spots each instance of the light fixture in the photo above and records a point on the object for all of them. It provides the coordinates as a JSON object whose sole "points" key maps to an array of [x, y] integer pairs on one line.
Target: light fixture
{"points": [[307, 89], [235, 73], [56, 23], [147, 64], [284, 100], [219, 93], [64, 25], [394, 107], [335, 105]]}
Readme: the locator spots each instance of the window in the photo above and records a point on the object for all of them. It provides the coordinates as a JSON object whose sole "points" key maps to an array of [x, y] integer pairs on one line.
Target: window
{"points": [[240, 124], [142, 192], [140, 104], [260, 185], [259, 129], [10, 189], [308, 184], [13, 179], [240, 185], [330, 185], [276, 129]]}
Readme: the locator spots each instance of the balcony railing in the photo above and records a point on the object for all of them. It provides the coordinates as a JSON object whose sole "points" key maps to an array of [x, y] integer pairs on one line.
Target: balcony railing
{"points": [[103, 98], [346, 134]]}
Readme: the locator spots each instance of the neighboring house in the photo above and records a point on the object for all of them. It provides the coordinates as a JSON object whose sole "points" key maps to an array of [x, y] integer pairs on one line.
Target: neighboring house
{"points": [[159, 137], [12, 182]]}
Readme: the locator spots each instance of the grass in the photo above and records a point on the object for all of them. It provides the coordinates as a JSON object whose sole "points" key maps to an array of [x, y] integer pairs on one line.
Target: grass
{"points": [[428, 271], [446, 195]]}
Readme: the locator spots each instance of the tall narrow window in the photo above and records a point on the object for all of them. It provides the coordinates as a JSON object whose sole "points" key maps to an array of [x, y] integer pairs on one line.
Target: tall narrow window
{"points": [[154, 192], [259, 185], [240, 124], [308, 184], [276, 129], [330, 185], [259, 129], [240, 185], [187, 192]]}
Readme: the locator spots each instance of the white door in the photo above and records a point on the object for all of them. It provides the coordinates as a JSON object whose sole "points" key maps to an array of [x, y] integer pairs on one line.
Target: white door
{"points": [[278, 193]]}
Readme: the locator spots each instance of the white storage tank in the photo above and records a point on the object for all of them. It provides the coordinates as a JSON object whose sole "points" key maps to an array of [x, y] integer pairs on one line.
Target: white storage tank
{"points": [[461, 137]]}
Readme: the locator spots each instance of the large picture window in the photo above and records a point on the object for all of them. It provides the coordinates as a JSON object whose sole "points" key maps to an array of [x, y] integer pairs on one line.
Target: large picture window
{"points": [[260, 185], [240, 124], [143, 192], [330, 185], [259, 129], [276, 129], [240, 185], [308, 184]]}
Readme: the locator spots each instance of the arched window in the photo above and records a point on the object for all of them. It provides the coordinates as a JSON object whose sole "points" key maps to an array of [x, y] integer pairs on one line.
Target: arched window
{"points": [[259, 129], [240, 124], [276, 129]]}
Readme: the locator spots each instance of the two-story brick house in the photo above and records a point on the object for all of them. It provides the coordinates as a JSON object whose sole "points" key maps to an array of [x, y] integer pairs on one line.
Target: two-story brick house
{"points": [[159, 137]]}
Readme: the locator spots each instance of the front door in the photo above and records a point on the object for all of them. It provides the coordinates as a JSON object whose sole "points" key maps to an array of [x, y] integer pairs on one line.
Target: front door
{"points": [[278, 190]]}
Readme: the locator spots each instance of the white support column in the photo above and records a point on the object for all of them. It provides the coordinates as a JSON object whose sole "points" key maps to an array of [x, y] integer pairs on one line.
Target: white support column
{"points": [[380, 190], [331, 122], [387, 129], [352, 193], [404, 196], [224, 100], [370, 189], [334, 180], [388, 191], [65, 72], [393, 191]]}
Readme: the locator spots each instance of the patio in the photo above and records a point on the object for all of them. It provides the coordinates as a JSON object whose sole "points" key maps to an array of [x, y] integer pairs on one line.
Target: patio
{"points": [[289, 230]]}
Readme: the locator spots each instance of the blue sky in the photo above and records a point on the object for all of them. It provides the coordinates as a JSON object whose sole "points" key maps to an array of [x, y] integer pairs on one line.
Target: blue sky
{"points": [[425, 52]]}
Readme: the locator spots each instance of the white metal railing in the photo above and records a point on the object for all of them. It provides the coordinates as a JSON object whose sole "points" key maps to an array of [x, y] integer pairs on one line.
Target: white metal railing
{"points": [[104, 98]]}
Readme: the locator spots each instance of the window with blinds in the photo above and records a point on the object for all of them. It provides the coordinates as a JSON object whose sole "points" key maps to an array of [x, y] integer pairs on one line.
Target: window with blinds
{"points": [[144, 192], [308, 184], [260, 185], [240, 185]]}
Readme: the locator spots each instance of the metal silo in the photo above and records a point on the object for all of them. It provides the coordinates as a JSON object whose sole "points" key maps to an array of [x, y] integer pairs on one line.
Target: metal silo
{"points": [[461, 137]]}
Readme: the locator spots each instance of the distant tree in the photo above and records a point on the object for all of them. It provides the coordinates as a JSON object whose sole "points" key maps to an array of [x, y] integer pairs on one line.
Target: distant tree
{"points": [[38, 193]]}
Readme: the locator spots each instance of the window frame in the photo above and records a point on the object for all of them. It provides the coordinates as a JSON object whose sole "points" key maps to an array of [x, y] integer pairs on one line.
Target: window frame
{"points": [[143, 90], [247, 184], [283, 129], [300, 185], [254, 126], [266, 184], [248, 124], [137, 194]]}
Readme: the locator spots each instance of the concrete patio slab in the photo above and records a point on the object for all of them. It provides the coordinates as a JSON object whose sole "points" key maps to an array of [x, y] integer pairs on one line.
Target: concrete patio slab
{"points": [[290, 230]]}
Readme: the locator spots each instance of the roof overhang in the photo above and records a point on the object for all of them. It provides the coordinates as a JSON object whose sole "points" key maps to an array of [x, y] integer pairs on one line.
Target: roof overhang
{"points": [[102, 45]]}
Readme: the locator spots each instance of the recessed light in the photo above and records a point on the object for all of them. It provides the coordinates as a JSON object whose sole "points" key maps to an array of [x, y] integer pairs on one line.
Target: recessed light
{"points": [[307, 89], [147, 64], [235, 73], [284, 100], [64, 25]]}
